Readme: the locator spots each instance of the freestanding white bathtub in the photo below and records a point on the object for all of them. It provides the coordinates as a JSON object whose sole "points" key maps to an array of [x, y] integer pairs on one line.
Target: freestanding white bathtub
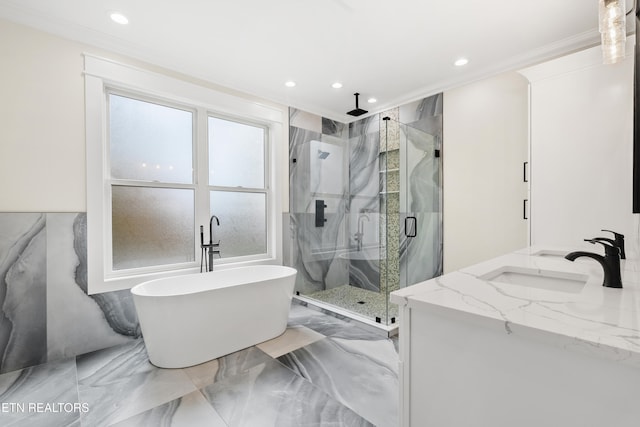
{"points": [[190, 319]]}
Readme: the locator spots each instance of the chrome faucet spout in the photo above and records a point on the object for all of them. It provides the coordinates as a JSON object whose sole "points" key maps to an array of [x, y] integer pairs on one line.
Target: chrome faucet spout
{"points": [[359, 235]]}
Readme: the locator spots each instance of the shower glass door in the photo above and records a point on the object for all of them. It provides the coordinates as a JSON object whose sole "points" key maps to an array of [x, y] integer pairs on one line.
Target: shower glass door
{"points": [[410, 201], [420, 245], [365, 213]]}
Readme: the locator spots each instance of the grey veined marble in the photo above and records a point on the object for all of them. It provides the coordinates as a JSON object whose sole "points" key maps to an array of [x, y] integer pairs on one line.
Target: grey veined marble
{"points": [[119, 382], [270, 395], [79, 323], [44, 395], [23, 296], [45, 312], [360, 374], [118, 386]]}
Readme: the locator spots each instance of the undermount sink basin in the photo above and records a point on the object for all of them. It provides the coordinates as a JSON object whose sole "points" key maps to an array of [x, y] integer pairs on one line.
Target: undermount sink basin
{"points": [[559, 281], [550, 253]]}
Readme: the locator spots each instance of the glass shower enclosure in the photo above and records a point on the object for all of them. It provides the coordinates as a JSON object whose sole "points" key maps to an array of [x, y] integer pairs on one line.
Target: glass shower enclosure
{"points": [[365, 214]]}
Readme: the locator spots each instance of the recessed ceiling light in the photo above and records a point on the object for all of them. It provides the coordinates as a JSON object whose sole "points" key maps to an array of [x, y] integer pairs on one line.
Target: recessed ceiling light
{"points": [[336, 85], [290, 83], [372, 100], [460, 62], [119, 18]]}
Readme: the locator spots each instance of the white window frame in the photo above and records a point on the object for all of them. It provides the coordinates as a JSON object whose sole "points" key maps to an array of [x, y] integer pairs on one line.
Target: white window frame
{"points": [[267, 190], [103, 76]]}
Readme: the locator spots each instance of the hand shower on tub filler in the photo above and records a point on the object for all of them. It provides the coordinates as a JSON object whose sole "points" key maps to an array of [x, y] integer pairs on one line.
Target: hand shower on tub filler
{"points": [[208, 250]]}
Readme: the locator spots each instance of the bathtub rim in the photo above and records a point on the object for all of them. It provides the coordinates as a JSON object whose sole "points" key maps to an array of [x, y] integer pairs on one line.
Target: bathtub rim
{"points": [[139, 289]]}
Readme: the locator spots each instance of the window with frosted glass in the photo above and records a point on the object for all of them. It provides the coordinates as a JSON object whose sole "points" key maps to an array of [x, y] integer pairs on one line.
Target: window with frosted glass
{"points": [[243, 223], [237, 159], [236, 154], [150, 142], [152, 190], [152, 226]]}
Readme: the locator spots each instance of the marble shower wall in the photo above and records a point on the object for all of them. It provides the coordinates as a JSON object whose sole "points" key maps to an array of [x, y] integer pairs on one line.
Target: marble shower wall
{"points": [[364, 216], [346, 166], [318, 166], [45, 312], [421, 192]]}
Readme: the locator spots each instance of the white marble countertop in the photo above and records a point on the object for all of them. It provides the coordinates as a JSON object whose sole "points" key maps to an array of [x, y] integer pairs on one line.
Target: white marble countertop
{"points": [[594, 319]]}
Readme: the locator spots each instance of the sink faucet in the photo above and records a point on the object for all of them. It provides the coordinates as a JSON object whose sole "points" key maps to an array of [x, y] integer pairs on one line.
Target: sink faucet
{"points": [[618, 242], [209, 249], [610, 262], [360, 233]]}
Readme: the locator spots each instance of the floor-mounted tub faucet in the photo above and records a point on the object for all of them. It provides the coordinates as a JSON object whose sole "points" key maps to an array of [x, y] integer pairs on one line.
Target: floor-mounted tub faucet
{"points": [[208, 250], [610, 262]]}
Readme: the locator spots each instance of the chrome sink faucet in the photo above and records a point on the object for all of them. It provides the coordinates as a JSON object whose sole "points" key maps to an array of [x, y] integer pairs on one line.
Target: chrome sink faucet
{"points": [[610, 262], [360, 233]]}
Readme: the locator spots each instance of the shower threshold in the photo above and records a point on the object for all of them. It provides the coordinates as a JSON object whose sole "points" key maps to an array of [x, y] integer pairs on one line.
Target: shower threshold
{"points": [[356, 304]]}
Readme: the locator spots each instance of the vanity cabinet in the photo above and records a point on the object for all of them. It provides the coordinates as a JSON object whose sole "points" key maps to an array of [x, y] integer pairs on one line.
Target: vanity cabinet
{"points": [[477, 352]]}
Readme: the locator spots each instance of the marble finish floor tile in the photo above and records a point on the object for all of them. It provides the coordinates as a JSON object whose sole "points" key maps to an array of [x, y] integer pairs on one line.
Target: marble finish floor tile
{"points": [[119, 386], [226, 366], [294, 337], [44, 395], [271, 395], [191, 410], [324, 324], [120, 382], [361, 374]]}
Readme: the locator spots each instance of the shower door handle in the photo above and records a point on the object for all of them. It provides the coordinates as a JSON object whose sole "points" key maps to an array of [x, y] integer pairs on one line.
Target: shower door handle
{"points": [[410, 226], [320, 219]]}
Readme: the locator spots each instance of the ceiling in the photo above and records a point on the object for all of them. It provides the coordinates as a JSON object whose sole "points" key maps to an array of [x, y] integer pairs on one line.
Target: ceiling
{"points": [[396, 51]]}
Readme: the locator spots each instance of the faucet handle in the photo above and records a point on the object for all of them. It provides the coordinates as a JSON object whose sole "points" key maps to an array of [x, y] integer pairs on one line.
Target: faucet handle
{"points": [[616, 234], [619, 242], [610, 249]]}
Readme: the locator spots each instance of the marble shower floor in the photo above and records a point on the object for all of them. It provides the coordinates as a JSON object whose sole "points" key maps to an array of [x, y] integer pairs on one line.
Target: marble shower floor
{"points": [[323, 371], [366, 303]]}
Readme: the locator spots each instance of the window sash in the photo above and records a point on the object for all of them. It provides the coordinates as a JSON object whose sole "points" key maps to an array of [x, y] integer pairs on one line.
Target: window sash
{"points": [[200, 186], [102, 75]]}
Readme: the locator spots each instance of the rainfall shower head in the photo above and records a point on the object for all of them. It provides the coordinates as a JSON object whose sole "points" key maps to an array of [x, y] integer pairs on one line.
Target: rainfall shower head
{"points": [[358, 111]]}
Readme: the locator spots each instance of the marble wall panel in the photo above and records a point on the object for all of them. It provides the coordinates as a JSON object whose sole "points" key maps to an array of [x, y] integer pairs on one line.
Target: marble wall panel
{"points": [[319, 171], [372, 148], [421, 256], [303, 120], [365, 126], [45, 312], [365, 186], [425, 114], [300, 167], [23, 296], [334, 128], [107, 319]]}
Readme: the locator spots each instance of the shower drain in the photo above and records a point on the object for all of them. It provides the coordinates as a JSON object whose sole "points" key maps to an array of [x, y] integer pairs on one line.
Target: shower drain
{"points": [[361, 302]]}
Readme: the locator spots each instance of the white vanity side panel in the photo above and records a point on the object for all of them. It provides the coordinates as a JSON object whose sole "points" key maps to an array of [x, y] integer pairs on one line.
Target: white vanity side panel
{"points": [[468, 371]]}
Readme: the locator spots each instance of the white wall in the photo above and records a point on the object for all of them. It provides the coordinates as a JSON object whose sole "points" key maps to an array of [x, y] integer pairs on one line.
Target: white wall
{"points": [[484, 148], [581, 156], [42, 153]]}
